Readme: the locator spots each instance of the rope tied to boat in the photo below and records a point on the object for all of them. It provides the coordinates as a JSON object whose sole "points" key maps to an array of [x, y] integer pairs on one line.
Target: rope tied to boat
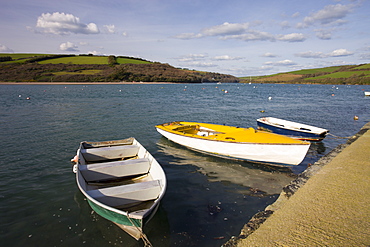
{"points": [[143, 236], [338, 137]]}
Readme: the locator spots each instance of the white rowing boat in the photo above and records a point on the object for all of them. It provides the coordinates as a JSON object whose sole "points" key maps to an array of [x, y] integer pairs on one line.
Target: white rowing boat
{"points": [[121, 181], [292, 129]]}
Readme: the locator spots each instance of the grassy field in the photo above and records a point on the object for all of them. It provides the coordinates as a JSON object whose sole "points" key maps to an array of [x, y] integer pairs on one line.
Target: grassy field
{"points": [[73, 59], [122, 60], [364, 66], [314, 71], [77, 60], [342, 74], [348, 74], [283, 77], [20, 55]]}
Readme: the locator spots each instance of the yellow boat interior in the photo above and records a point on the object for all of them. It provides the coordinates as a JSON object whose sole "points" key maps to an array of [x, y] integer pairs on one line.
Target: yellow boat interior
{"points": [[217, 132]]}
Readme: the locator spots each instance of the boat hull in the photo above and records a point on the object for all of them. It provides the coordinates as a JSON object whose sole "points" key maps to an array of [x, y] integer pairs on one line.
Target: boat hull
{"points": [[268, 153], [130, 218], [297, 131]]}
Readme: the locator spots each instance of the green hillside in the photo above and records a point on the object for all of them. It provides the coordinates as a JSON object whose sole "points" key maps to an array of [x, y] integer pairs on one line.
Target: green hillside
{"points": [[68, 59], [90, 68], [346, 74]]}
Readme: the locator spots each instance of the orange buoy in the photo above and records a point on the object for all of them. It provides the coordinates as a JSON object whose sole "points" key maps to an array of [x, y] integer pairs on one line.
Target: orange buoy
{"points": [[75, 159]]}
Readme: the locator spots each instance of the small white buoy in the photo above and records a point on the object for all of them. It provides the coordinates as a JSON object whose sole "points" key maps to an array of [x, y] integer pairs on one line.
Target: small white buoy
{"points": [[19, 96], [226, 91], [270, 98]]}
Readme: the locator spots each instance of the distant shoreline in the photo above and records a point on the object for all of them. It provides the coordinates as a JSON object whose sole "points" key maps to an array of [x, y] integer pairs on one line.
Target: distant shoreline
{"points": [[84, 83]]}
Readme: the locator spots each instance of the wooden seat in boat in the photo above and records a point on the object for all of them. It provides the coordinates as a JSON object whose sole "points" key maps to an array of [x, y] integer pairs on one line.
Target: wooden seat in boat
{"points": [[107, 153], [117, 196], [115, 169]]}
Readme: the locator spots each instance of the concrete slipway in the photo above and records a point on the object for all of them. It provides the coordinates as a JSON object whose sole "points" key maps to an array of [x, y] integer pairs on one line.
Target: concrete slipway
{"points": [[329, 205]]}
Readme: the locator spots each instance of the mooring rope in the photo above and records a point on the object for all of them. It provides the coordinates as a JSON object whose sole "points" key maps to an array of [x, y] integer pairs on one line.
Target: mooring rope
{"points": [[143, 236], [338, 137]]}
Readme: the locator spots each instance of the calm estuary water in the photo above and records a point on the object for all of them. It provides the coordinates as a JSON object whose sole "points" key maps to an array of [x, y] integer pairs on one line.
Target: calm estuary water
{"points": [[208, 199]]}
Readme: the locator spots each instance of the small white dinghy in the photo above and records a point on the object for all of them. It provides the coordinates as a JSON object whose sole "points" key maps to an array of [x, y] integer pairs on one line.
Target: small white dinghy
{"points": [[121, 181], [292, 129]]}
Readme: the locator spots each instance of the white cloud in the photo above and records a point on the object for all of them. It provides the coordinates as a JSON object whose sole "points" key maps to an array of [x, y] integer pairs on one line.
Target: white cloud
{"points": [[311, 54], [323, 34], [241, 31], [192, 57], [226, 57], [268, 54], [252, 35], [330, 14], [110, 28], [364, 56], [340, 53], [4, 49], [285, 62], [335, 53], [226, 29], [95, 52], [68, 46], [292, 37], [296, 14], [188, 36], [285, 24], [201, 64], [62, 24]]}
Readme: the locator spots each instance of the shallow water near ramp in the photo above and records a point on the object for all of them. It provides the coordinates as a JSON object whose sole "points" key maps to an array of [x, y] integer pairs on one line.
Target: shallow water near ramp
{"points": [[208, 199]]}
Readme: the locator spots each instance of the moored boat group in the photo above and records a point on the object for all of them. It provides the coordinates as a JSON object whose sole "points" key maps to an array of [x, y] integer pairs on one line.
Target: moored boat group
{"points": [[124, 183]]}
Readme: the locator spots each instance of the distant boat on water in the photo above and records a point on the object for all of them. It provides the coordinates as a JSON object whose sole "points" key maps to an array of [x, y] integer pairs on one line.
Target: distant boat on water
{"points": [[292, 129], [367, 93]]}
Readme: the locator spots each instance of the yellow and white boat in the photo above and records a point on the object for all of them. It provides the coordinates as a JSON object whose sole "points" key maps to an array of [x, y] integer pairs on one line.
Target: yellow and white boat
{"points": [[236, 143]]}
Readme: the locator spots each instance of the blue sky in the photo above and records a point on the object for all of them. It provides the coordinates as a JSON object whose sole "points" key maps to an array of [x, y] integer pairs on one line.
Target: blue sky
{"points": [[238, 37]]}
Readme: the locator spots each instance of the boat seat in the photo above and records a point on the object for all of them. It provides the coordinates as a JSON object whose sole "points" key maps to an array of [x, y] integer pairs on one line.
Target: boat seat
{"points": [[106, 153], [118, 196], [115, 169]]}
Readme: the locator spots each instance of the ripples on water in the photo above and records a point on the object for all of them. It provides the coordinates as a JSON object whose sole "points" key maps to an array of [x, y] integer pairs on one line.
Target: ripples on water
{"points": [[208, 199]]}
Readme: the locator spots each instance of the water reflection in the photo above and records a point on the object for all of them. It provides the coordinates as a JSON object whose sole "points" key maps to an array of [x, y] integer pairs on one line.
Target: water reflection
{"points": [[257, 179]]}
